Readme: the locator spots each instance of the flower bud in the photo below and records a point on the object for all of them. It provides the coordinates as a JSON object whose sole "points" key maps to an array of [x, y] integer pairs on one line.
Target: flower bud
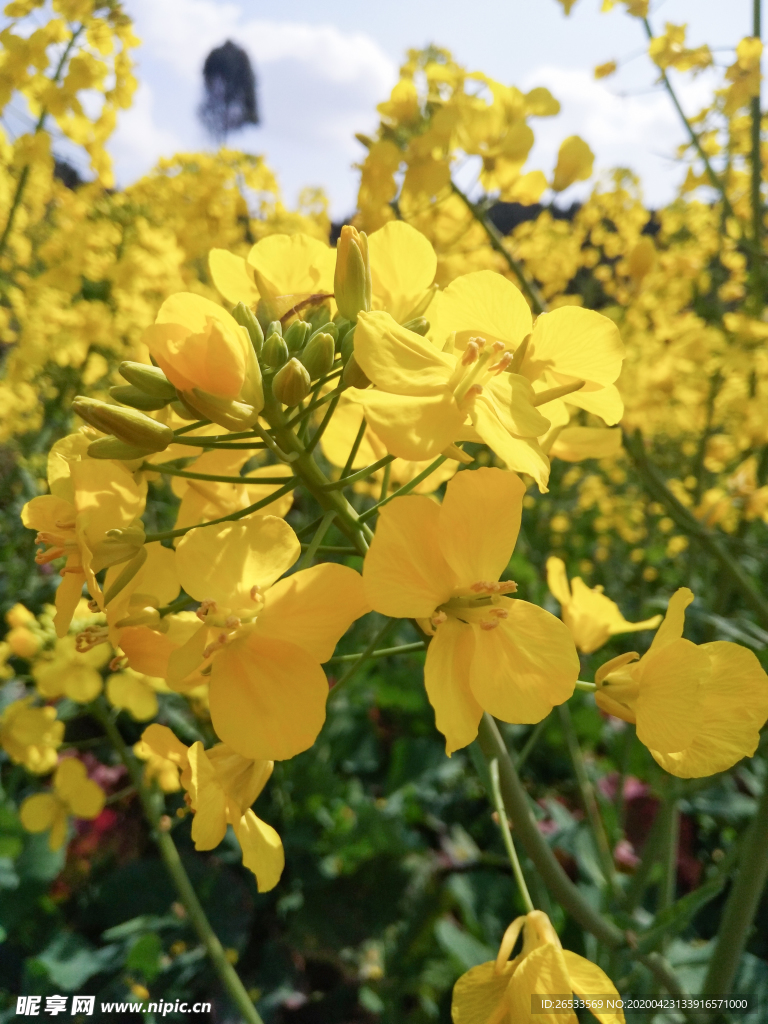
{"points": [[319, 354], [247, 319], [352, 280], [128, 425], [111, 448], [275, 351], [353, 376], [225, 411], [291, 383], [119, 545], [296, 336], [347, 346], [418, 325], [343, 327], [275, 327], [128, 394], [149, 379], [182, 410]]}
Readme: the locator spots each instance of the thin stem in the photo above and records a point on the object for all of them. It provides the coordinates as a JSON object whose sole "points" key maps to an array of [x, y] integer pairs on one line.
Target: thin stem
{"points": [[215, 479], [176, 606], [366, 655], [506, 835], [191, 426], [385, 482], [530, 743], [355, 448], [653, 849], [173, 864], [361, 474], [231, 518], [586, 687], [386, 652], [495, 237], [333, 549], [313, 406], [309, 554], [671, 843], [324, 423], [406, 488]]}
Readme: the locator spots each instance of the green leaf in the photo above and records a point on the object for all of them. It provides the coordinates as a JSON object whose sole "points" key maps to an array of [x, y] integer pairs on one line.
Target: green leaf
{"points": [[145, 956], [462, 946], [70, 961]]}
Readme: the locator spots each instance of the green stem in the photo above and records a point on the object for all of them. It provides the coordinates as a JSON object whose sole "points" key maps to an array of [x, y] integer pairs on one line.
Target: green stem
{"points": [[335, 394], [671, 843], [355, 448], [652, 850], [361, 659], [756, 283], [333, 549], [385, 482], [688, 523], [309, 554], [586, 687], [405, 489], [176, 606], [530, 743], [742, 903], [385, 652], [495, 237], [191, 426], [506, 835], [361, 474], [227, 974], [231, 518], [215, 479], [324, 423]]}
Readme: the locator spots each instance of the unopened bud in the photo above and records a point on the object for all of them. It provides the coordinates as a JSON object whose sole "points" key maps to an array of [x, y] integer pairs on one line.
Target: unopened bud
{"points": [[128, 394], [352, 280], [353, 376], [126, 424], [296, 336], [319, 354], [419, 325], [348, 346], [247, 319], [149, 379], [291, 383], [275, 352], [118, 546], [225, 411], [275, 327], [111, 448], [184, 411]]}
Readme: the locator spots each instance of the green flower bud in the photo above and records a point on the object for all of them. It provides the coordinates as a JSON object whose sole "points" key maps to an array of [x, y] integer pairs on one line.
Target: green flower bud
{"points": [[296, 335], [343, 327], [275, 352], [227, 412], [149, 379], [118, 546], [128, 425], [352, 280], [291, 383], [353, 376], [111, 448], [128, 394], [418, 325], [275, 327], [319, 317], [184, 411], [247, 319], [319, 354], [347, 346]]}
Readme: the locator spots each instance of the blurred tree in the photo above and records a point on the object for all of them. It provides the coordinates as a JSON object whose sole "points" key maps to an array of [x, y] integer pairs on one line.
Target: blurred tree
{"points": [[230, 92]]}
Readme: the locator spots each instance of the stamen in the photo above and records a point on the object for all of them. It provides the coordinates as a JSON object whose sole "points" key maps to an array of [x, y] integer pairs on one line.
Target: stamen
{"points": [[93, 606], [216, 645], [205, 607], [489, 624], [118, 662], [438, 619], [90, 638], [502, 364], [471, 352], [255, 592], [232, 622], [43, 557], [473, 390]]}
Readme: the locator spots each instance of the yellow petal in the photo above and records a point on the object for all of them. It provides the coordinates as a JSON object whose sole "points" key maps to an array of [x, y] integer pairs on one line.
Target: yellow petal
{"points": [[83, 796], [576, 342], [446, 676], [525, 666], [342, 430], [241, 778], [592, 618], [403, 266], [59, 828], [165, 744], [574, 444], [481, 304], [46, 513], [232, 277], [542, 973], [223, 563], [606, 403], [187, 659], [208, 801], [131, 691], [267, 697], [291, 267], [314, 608], [479, 994], [668, 707], [587, 979], [405, 573], [68, 595], [39, 812], [414, 428], [557, 580], [518, 454], [262, 850], [479, 523], [674, 621], [149, 650], [398, 360], [82, 684]]}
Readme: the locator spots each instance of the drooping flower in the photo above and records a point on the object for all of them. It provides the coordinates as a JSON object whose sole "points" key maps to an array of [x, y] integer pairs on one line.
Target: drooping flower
{"points": [[698, 709], [73, 794], [591, 616], [501, 991], [31, 736], [426, 399], [222, 785], [440, 564]]}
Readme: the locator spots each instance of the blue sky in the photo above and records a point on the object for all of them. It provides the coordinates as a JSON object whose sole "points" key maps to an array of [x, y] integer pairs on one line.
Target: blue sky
{"points": [[323, 67]]}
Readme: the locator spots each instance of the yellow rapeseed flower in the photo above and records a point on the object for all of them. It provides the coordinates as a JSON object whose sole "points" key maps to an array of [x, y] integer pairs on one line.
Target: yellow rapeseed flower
{"points": [[67, 672], [440, 564], [74, 794], [31, 736]]}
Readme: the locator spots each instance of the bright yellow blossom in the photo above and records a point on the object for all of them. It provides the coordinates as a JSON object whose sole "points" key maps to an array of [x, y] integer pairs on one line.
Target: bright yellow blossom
{"points": [[501, 991], [31, 736], [73, 794], [591, 616], [135, 692], [698, 709], [67, 672], [440, 564]]}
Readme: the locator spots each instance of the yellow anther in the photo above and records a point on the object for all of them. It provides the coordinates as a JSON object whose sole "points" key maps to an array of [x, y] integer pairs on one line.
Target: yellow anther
{"points": [[232, 622], [489, 624], [502, 364], [205, 608], [255, 592], [90, 638], [471, 352], [438, 619]]}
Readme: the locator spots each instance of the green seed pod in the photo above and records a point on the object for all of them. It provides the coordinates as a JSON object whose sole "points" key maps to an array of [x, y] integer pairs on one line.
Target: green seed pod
{"points": [[128, 394], [126, 575], [419, 325], [247, 319], [296, 336], [275, 352], [149, 379], [348, 346], [111, 448], [353, 376], [319, 354], [291, 383], [128, 425]]}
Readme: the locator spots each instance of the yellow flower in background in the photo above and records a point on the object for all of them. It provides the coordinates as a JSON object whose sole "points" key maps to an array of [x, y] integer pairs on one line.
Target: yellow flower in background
{"points": [[24, 637], [591, 616], [31, 736], [67, 672], [265, 639], [501, 991], [148, 649], [440, 564], [403, 267], [426, 399], [574, 163], [165, 756], [135, 693], [698, 709], [73, 795], [222, 785]]}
